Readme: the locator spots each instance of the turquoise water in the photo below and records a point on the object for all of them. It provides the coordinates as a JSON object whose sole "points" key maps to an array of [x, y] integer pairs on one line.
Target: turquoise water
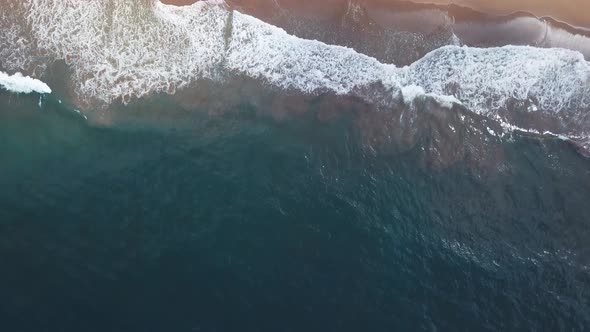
{"points": [[239, 222]]}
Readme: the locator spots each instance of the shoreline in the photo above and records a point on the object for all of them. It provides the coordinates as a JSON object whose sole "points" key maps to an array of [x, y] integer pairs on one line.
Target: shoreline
{"points": [[573, 13], [310, 20]]}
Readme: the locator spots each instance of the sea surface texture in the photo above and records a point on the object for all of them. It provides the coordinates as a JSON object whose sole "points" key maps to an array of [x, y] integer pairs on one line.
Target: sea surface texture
{"points": [[229, 166]]}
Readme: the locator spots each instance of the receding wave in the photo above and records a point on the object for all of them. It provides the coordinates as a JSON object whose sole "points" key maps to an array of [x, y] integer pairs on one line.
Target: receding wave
{"points": [[130, 49]]}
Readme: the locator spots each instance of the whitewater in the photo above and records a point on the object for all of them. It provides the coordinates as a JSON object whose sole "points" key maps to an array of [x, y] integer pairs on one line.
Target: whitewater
{"points": [[18, 83], [124, 50]]}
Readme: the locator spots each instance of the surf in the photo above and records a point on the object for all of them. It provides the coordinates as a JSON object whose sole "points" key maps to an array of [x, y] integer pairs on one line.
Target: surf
{"points": [[128, 50]]}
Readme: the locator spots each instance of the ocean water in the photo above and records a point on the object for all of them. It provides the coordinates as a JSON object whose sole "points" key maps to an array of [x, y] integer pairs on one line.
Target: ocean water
{"points": [[244, 223], [201, 169]]}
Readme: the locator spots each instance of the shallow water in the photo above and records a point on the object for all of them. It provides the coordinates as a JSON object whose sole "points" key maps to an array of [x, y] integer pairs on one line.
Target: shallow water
{"points": [[246, 223]]}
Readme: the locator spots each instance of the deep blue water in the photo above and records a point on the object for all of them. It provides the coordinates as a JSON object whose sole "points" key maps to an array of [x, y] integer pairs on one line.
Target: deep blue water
{"points": [[242, 223]]}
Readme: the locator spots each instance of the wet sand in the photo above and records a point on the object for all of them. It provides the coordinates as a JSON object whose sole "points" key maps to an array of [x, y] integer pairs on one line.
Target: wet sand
{"points": [[371, 26], [573, 12]]}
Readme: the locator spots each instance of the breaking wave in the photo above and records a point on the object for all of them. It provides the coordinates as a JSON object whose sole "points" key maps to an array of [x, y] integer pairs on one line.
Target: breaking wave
{"points": [[18, 83], [487, 79], [130, 49]]}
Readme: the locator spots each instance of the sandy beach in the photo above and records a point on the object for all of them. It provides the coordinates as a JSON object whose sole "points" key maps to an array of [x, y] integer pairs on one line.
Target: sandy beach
{"points": [[572, 12], [475, 23]]}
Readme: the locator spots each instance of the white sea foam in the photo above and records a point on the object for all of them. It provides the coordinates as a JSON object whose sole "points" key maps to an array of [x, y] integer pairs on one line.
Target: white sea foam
{"points": [[263, 51], [130, 48], [22, 84], [133, 48], [486, 80], [411, 93]]}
